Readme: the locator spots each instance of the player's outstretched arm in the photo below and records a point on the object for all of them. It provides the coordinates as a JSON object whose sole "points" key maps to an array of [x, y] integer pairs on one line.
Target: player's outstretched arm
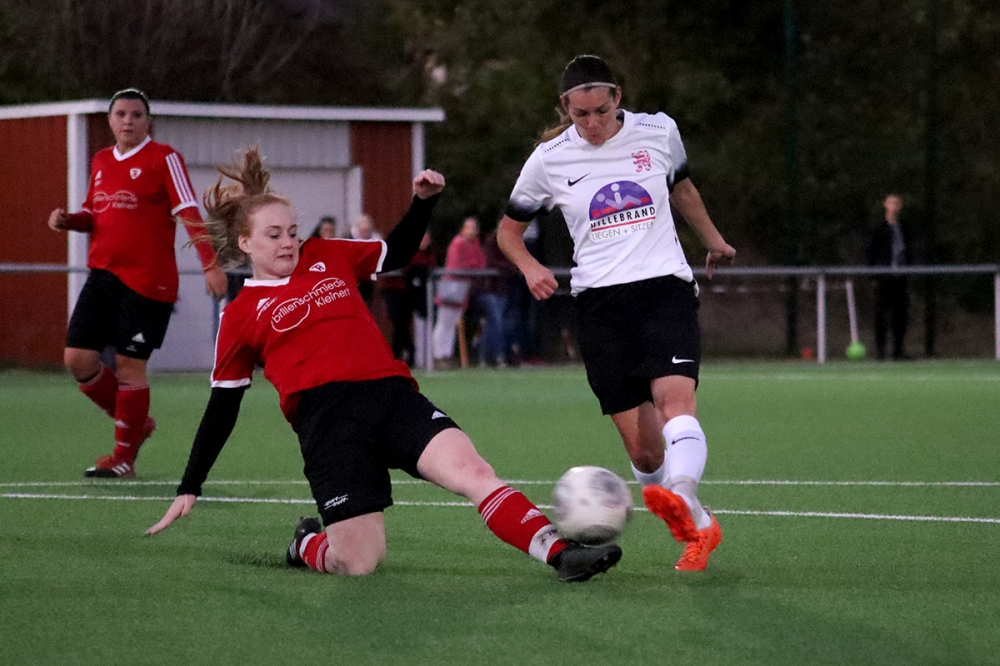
{"points": [[181, 506], [687, 200], [510, 237]]}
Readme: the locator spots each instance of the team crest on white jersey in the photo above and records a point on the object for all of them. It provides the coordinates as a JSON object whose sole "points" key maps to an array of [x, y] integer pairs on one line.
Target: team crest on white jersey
{"points": [[620, 208], [134, 172], [262, 305], [642, 160], [318, 267]]}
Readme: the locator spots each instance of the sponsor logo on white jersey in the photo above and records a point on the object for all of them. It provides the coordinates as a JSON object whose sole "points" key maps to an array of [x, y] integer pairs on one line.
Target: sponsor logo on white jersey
{"points": [[289, 314], [336, 501], [619, 209], [134, 172], [318, 267]]}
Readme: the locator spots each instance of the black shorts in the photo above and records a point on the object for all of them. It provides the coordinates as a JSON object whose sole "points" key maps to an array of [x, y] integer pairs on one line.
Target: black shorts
{"points": [[633, 333], [352, 433], [110, 313]]}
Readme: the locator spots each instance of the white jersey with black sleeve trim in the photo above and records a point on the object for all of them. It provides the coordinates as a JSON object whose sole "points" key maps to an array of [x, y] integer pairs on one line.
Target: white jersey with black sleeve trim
{"points": [[615, 198]]}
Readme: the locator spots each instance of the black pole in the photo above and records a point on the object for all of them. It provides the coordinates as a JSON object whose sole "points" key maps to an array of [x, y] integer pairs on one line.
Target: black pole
{"points": [[791, 185], [930, 174]]}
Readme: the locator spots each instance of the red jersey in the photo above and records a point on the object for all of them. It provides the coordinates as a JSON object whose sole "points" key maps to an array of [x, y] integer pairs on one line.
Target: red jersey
{"points": [[133, 199], [310, 328]]}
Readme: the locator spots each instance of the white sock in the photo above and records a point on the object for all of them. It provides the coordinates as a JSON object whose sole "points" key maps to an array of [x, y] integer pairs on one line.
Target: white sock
{"points": [[687, 452], [651, 478]]}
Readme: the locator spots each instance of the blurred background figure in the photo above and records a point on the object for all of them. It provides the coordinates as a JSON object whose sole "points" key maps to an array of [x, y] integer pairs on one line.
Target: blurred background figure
{"points": [[494, 340], [452, 298], [416, 274], [523, 309], [890, 247], [363, 229], [327, 228]]}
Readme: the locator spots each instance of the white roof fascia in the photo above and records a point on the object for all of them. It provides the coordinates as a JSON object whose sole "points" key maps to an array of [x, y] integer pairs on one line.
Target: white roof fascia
{"points": [[206, 110]]}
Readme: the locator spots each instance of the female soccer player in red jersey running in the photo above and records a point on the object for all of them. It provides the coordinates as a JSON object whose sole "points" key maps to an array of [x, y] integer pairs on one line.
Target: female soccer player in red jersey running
{"points": [[356, 410], [137, 190], [615, 175]]}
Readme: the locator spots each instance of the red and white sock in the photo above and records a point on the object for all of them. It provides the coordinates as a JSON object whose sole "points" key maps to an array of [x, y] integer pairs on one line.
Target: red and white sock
{"points": [[312, 550], [131, 412], [102, 389], [512, 517]]}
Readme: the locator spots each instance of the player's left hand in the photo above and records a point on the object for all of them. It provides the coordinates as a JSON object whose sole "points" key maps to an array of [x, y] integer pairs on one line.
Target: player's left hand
{"points": [[215, 282], [719, 256], [427, 184], [181, 507]]}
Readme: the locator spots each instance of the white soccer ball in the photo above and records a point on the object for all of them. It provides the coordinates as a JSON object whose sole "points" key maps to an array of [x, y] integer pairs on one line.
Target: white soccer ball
{"points": [[592, 505]]}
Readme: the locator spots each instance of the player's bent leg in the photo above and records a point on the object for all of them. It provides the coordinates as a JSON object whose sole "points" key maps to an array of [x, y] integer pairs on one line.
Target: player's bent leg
{"points": [[640, 430], [356, 545], [450, 460], [83, 364], [352, 547]]}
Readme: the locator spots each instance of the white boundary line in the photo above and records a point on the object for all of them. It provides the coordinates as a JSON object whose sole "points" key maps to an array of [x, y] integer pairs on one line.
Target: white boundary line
{"points": [[516, 482], [732, 512]]}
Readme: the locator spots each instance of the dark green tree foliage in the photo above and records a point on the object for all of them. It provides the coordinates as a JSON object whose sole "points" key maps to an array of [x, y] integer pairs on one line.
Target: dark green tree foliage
{"points": [[716, 66]]}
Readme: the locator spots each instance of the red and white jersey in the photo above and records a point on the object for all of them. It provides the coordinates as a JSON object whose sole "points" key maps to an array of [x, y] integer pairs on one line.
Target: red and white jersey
{"points": [[133, 199], [615, 199], [308, 329]]}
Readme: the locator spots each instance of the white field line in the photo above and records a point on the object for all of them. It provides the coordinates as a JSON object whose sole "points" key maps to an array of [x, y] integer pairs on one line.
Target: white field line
{"points": [[515, 482], [734, 512]]}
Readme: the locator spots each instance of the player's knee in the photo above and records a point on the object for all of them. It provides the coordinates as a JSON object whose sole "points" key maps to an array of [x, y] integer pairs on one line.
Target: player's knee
{"points": [[83, 364], [354, 562]]}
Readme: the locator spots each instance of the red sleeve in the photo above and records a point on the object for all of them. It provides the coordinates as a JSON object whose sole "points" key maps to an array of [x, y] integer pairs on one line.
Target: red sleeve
{"points": [[178, 184], [195, 226], [234, 359]]}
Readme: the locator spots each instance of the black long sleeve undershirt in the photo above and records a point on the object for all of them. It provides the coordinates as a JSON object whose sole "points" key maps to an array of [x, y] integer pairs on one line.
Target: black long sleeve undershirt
{"points": [[404, 241], [216, 425]]}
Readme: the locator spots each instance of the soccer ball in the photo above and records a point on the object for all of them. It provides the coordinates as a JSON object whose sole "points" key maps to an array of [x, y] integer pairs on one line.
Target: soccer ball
{"points": [[592, 505]]}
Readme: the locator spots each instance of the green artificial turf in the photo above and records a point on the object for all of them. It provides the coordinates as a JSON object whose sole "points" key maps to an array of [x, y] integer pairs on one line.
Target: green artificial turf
{"points": [[858, 503]]}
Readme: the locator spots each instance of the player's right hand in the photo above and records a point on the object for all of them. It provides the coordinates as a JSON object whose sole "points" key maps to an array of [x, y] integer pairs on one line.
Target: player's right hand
{"points": [[57, 220], [541, 282], [181, 507]]}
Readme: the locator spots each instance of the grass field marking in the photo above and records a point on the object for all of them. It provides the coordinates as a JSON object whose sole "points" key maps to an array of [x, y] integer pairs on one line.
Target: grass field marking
{"points": [[515, 482], [862, 516], [720, 512]]}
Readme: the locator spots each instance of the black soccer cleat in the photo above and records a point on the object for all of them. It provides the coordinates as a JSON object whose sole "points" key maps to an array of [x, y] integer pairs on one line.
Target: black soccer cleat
{"points": [[307, 525], [576, 563]]}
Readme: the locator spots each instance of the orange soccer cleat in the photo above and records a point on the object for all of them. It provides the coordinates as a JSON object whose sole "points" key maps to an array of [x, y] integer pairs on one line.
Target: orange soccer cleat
{"points": [[695, 556]]}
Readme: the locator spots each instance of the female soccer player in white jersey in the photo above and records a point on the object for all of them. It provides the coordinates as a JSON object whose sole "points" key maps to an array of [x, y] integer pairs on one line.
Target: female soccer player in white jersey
{"points": [[138, 188], [614, 175], [355, 408]]}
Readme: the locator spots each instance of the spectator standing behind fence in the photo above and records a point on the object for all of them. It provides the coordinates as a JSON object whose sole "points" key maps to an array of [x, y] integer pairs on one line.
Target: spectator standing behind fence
{"points": [[523, 309], [357, 411], [452, 296], [492, 297], [614, 175], [138, 189], [890, 247]]}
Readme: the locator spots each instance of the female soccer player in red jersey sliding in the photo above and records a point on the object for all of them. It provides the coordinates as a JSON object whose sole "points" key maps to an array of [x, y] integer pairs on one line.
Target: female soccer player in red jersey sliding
{"points": [[137, 189], [615, 175], [356, 409]]}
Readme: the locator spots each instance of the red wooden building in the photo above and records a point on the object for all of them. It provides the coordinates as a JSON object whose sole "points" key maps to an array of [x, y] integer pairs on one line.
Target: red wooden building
{"points": [[329, 161]]}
